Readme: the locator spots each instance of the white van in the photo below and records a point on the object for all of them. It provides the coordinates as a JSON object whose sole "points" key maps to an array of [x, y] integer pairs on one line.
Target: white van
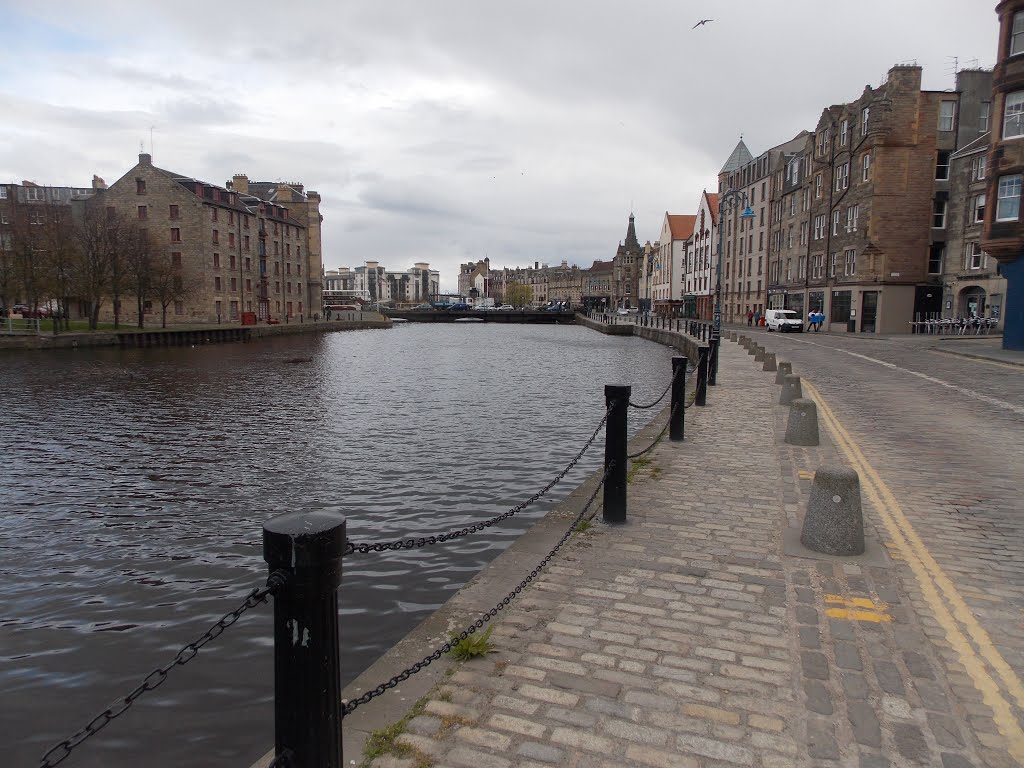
{"points": [[783, 320]]}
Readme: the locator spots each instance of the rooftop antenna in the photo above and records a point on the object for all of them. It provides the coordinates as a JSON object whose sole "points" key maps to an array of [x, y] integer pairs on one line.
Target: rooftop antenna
{"points": [[151, 140], [955, 65]]}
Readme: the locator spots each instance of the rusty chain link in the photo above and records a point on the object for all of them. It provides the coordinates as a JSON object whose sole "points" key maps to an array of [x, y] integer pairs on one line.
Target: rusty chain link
{"points": [[348, 706], [156, 678], [384, 546]]}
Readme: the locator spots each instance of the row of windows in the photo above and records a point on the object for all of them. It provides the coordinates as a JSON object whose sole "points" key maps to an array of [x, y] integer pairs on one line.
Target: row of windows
{"points": [[218, 307], [817, 266], [218, 285]]}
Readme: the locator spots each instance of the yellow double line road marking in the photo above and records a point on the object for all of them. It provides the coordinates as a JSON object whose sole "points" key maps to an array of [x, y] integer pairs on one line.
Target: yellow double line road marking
{"points": [[951, 612]]}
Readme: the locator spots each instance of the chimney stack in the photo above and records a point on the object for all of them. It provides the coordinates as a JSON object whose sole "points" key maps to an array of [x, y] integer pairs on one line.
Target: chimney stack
{"points": [[145, 159]]}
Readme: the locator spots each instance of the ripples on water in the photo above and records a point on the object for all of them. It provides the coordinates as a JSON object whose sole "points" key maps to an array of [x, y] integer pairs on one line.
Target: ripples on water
{"points": [[135, 484]]}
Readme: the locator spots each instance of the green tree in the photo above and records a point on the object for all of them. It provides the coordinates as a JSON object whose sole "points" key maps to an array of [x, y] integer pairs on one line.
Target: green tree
{"points": [[518, 295]]}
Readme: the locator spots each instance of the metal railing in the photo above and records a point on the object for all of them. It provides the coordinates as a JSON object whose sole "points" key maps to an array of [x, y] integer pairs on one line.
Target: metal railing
{"points": [[13, 326]]}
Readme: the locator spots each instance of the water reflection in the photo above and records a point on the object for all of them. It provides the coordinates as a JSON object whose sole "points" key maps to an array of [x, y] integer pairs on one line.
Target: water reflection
{"points": [[135, 483]]}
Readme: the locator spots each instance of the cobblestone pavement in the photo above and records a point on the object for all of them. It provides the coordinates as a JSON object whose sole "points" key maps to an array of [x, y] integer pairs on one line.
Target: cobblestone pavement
{"points": [[687, 638]]}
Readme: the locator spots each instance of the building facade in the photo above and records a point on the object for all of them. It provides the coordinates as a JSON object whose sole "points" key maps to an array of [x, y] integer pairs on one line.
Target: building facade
{"points": [[240, 253], [1003, 228], [666, 265], [626, 270], [698, 265]]}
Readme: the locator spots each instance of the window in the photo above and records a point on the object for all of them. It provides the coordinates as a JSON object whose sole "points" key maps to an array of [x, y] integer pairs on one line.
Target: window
{"points": [[789, 270], [983, 116], [840, 306], [792, 205], [789, 243], [832, 259], [231, 217], [843, 128], [213, 214], [835, 222], [248, 264], [818, 265], [175, 215], [216, 283], [850, 262], [245, 222], [1013, 115], [231, 260], [939, 214], [33, 193], [176, 258], [217, 306], [975, 257], [823, 142], [947, 115], [979, 208], [245, 242], [248, 285], [179, 308], [842, 177], [817, 186], [802, 268], [3, 193], [216, 261], [216, 237], [140, 186], [143, 212], [852, 214], [935, 255], [234, 310], [865, 167], [942, 165], [175, 235], [234, 283], [1008, 205], [1017, 34], [806, 201], [865, 114], [803, 233], [978, 168]]}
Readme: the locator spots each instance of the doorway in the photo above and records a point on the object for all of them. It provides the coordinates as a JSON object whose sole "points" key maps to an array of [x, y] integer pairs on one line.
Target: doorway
{"points": [[868, 311]]}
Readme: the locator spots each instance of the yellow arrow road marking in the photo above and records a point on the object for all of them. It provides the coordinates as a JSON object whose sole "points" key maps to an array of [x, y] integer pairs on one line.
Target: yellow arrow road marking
{"points": [[932, 579]]}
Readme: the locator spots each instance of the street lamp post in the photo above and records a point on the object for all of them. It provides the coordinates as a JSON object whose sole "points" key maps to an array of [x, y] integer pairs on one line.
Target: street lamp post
{"points": [[728, 201]]}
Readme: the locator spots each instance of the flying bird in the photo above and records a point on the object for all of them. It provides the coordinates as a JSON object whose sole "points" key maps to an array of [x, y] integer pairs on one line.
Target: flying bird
{"points": [[701, 23]]}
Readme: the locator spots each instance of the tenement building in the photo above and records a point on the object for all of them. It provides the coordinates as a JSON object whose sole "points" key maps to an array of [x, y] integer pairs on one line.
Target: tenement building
{"points": [[862, 211], [238, 252], [1003, 229]]}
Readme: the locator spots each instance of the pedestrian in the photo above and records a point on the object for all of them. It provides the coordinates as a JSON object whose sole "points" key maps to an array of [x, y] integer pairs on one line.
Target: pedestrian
{"points": [[757, 319], [750, 318], [819, 318], [812, 318]]}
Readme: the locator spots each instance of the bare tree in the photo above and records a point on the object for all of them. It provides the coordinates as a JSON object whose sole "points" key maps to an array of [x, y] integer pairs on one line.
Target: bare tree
{"points": [[136, 264], [169, 284], [58, 250], [99, 241]]}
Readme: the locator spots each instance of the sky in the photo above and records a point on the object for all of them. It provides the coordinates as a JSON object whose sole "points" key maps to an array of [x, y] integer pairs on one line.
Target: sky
{"points": [[447, 131]]}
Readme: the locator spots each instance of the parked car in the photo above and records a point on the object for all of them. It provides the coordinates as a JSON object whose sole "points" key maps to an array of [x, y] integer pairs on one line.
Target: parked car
{"points": [[423, 308], [622, 311], [783, 320], [506, 308], [483, 308], [458, 307]]}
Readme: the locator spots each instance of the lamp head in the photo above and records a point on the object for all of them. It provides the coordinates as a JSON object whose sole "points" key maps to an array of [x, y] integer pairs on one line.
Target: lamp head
{"points": [[748, 213]]}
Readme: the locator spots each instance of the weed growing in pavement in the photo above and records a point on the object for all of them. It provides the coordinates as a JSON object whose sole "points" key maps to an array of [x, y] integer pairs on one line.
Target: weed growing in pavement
{"points": [[384, 741], [477, 644]]}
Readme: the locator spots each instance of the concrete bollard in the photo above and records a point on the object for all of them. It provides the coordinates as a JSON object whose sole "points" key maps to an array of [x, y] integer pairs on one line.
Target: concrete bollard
{"points": [[785, 369], [802, 427], [759, 355], [790, 390], [834, 523], [769, 362], [752, 348], [732, 336]]}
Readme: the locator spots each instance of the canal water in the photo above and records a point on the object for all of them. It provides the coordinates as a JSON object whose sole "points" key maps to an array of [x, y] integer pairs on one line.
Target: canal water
{"points": [[134, 484]]}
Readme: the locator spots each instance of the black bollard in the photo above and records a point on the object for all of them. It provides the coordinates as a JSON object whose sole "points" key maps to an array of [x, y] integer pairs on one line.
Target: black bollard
{"points": [[677, 424], [714, 344], [615, 453], [702, 377], [307, 657]]}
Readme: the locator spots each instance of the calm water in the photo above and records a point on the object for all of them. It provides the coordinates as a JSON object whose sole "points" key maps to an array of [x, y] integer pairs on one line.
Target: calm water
{"points": [[134, 484]]}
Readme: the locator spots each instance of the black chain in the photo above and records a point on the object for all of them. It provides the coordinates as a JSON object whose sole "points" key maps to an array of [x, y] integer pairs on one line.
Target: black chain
{"points": [[657, 440], [156, 678], [686, 373], [423, 541], [349, 706]]}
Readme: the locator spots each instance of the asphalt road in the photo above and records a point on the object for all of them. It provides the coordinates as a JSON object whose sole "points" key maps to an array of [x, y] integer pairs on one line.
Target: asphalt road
{"points": [[946, 434]]}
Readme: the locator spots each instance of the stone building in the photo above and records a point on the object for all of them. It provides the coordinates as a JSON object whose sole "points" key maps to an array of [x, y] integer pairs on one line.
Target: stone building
{"points": [[244, 253], [565, 283], [1003, 229], [746, 243], [626, 269], [861, 213], [971, 286], [598, 284]]}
